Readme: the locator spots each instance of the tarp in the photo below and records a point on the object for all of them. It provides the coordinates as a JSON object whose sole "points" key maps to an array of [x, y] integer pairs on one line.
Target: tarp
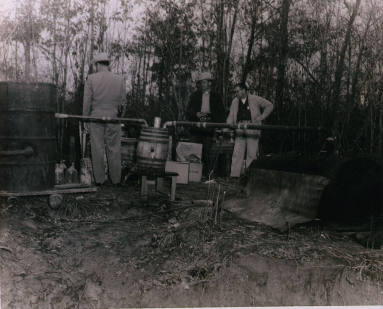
{"points": [[279, 199]]}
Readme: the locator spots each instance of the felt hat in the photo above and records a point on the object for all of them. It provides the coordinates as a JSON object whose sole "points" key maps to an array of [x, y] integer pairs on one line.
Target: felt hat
{"points": [[101, 57], [204, 76]]}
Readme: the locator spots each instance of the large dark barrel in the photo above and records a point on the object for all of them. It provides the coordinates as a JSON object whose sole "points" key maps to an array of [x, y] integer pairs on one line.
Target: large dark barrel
{"points": [[152, 150], [28, 142], [355, 193]]}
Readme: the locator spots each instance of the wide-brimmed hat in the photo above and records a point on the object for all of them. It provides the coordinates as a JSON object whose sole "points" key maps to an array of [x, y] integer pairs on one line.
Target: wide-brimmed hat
{"points": [[101, 57], [204, 76]]}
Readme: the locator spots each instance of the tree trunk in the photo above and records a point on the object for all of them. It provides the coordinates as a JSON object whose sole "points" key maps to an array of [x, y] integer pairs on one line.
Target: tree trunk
{"points": [[16, 64], [340, 65], [372, 128], [203, 22], [54, 62], [380, 141], [356, 74], [64, 78], [27, 55], [90, 71], [324, 95], [247, 66], [283, 53], [220, 47], [226, 64]]}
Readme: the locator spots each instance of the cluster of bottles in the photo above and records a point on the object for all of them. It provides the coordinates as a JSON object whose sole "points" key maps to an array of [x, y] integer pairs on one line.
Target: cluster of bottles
{"points": [[64, 174], [86, 172]]}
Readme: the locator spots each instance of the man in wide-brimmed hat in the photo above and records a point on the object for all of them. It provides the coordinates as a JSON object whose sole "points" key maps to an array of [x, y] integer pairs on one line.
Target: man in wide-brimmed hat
{"points": [[104, 95], [205, 106]]}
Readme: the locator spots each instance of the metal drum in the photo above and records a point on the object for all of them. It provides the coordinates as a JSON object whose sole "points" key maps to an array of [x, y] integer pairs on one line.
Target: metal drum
{"points": [[152, 150], [28, 141]]}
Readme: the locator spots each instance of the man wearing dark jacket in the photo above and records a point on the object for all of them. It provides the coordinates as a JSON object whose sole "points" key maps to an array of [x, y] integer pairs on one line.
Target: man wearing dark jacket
{"points": [[205, 106]]}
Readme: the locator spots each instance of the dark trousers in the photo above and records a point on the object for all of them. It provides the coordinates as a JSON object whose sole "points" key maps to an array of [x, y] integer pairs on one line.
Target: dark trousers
{"points": [[206, 139]]}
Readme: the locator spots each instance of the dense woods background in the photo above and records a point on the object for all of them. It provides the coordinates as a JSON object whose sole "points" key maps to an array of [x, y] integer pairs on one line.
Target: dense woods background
{"points": [[319, 61]]}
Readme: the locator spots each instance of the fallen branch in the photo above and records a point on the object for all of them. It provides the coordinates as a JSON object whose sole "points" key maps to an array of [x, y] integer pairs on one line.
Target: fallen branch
{"points": [[6, 249], [194, 204]]}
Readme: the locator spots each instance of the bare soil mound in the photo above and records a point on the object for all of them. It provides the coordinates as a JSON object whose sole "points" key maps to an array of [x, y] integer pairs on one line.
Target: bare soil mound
{"points": [[112, 249]]}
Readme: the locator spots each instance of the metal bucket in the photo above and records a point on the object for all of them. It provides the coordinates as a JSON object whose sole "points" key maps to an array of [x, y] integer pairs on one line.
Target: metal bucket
{"points": [[28, 141], [152, 150]]}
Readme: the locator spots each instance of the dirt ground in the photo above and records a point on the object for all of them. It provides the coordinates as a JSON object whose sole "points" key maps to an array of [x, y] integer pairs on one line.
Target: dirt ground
{"points": [[114, 249]]}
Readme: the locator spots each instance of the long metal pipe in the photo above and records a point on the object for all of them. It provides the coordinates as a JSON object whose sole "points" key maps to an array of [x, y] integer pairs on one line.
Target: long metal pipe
{"points": [[239, 126], [27, 151], [104, 119]]}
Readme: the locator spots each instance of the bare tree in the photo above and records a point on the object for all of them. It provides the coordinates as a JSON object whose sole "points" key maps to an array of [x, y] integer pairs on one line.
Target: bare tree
{"points": [[283, 52]]}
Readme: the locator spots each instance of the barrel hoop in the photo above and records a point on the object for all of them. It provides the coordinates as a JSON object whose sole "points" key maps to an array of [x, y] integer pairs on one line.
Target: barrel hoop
{"points": [[155, 130], [150, 168], [128, 142], [28, 137], [154, 133], [16, 110], [27, 164], [151, 165], [153, 137], [154, 160], [151, 140]]}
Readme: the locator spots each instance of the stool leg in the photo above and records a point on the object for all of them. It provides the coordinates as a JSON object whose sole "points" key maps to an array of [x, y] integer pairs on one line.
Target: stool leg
{"points": [[144, 186], [173, 188]]}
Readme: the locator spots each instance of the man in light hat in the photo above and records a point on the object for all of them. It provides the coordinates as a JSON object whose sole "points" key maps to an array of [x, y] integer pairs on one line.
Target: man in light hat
{"points": [[205, 106], [104, 95]]}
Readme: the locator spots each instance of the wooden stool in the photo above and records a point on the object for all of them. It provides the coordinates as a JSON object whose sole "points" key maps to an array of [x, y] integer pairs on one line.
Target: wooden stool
{"points": [[157, 181]]}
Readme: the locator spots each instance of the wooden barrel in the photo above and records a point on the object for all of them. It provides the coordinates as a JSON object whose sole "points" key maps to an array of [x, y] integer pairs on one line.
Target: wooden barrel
{"points": [[128, 151], [152, 150], [28, 142]]}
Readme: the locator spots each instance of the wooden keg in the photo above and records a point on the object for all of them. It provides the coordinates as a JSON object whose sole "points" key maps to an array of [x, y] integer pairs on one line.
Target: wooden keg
{"points": [[28, 136], [152, 150]]}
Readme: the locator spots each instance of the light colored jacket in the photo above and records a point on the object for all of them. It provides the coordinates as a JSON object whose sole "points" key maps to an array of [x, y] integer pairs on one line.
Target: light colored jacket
{"points": [[104, 93], [260, 109]]}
